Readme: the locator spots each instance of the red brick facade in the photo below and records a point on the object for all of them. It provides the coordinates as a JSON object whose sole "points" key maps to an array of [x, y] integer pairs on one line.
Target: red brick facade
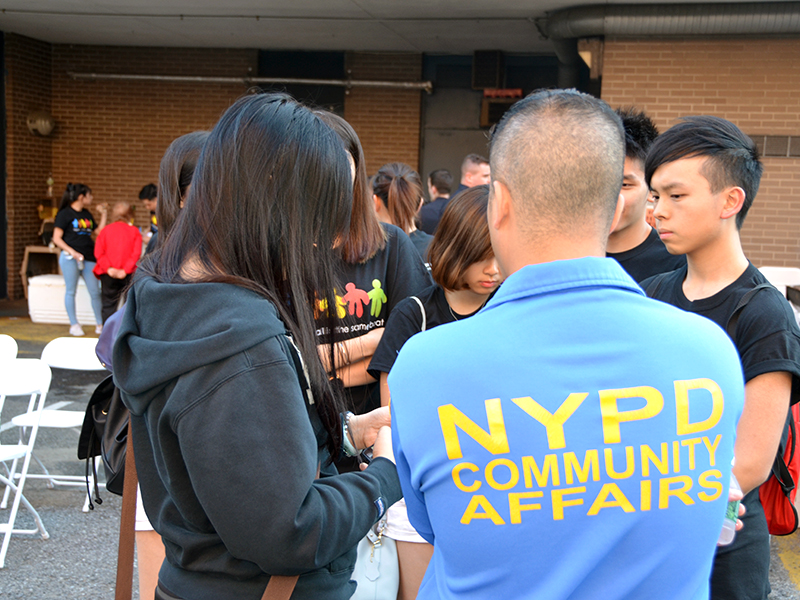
{"points": [[111, 135], [754, 83], [387, 121], [29, 158]]}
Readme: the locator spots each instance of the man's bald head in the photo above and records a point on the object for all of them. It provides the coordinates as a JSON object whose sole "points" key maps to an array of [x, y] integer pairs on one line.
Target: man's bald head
{"points": [[560, 153]]}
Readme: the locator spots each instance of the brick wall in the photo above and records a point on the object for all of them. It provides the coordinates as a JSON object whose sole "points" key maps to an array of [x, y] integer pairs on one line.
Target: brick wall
{"points": [[112, 134], [387, 121], [29, 158], [754, 83]]}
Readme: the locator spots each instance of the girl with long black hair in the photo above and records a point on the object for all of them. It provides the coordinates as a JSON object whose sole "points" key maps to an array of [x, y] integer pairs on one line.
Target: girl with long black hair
{"points": [[233, 431]]}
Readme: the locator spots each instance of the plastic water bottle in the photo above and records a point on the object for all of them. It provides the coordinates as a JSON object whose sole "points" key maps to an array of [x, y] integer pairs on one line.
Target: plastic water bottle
{"points": [[729, 524], [80, 265]]}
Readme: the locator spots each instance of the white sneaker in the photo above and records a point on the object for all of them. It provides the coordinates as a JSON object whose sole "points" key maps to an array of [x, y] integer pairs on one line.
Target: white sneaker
{"points": [[98, 330], [76, 330]]}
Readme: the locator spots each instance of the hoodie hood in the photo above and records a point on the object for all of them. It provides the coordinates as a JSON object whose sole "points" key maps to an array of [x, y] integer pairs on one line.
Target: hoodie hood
{"points": [[170, 329]]}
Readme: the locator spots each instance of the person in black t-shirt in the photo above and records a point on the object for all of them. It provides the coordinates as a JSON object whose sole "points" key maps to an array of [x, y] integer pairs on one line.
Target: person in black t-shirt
{"points": [[72, 233], [379, 268], [704, 174], [440, 182], [466, 276], [633, 243], [397, 195]]}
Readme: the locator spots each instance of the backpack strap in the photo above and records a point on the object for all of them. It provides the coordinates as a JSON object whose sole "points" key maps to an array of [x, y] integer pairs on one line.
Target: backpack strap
{"points": [[299, 367], [655, 284], [733, 321], [123, 589], [422, 310]]}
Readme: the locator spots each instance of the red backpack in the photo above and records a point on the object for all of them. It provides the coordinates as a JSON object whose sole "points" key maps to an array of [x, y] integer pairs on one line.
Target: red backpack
{"points": [[778, 492]]}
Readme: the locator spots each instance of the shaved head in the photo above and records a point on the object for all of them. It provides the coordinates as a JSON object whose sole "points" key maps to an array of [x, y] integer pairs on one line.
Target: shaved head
{"points": [[560, 153]]}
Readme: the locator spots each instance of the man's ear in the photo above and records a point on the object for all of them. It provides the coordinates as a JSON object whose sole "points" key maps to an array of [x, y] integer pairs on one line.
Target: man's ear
{"points": [[499, 205], [617, 212], [734, 201]]}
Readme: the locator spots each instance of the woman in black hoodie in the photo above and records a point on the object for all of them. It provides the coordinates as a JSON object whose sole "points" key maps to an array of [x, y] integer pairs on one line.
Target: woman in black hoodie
{"points": [[233, 451]]}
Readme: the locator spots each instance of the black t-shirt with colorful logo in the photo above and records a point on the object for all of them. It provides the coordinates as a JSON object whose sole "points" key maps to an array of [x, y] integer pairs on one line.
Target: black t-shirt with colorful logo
{"points": [[78, 227], [371, 291]]}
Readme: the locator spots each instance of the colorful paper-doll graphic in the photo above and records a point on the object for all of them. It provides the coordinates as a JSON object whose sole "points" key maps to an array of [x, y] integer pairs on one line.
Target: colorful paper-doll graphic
{"points": [[378, 297], [356, 300]]}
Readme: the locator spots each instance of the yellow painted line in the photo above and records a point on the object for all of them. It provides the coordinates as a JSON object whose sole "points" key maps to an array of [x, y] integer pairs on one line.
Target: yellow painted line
{"points": [[23, 329], [788, 547]]}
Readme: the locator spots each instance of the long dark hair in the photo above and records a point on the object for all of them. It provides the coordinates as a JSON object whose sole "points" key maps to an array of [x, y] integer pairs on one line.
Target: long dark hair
{"points": [[366, 235], [175, 175], [73, 191], [400, 189], [279, 180]]}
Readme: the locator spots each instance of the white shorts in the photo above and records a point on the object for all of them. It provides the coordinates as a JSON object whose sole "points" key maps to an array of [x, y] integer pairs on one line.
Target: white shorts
{"points": [[142, 522], [398, 527]]}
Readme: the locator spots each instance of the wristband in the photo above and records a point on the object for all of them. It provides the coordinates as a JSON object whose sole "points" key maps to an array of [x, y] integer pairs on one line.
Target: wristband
{"points": [[348, 447]]}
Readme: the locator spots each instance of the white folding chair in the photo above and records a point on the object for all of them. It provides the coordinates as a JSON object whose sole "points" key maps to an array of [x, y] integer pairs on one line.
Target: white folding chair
{"points": [[62, 353], [8, 347], [21, 377]]}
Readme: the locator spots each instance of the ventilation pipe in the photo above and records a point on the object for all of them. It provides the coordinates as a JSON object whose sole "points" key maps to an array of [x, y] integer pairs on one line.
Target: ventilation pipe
{"points": [[565, 27]]}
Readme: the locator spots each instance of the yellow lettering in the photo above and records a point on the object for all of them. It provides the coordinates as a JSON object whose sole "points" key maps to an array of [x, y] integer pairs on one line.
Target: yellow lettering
{"points": [[611, 489], [512, 480], [682, 389], [549, 469], [495, 441], [691, 443], [559, 503], [649, 456], [474, 486], [710, 485], [479, 501], [516, 507], [591, 460], [676, 457], [712, 449], [630, 463], [646, 487], [665, 491], [553, 422], [612, 416]]}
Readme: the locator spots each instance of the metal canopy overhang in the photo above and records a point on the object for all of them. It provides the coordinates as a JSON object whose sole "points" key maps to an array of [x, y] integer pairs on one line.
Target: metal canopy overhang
{"points": [[441, 27]]}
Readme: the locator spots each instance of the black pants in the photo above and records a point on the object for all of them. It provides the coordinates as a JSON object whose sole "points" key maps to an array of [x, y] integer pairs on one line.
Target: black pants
{"points": [[110, 291]]}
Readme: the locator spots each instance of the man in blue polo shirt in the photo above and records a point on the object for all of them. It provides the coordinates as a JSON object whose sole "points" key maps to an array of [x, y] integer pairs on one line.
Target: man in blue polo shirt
{"points": [[548, 452]]}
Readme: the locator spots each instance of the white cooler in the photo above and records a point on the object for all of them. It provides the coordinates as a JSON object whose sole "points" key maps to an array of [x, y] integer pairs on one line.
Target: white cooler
{"points": [[46, 301]]}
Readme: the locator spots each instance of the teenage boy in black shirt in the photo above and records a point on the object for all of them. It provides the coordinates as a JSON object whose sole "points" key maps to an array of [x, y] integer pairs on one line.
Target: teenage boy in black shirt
{"points": [[704, 174], [633, 243]]}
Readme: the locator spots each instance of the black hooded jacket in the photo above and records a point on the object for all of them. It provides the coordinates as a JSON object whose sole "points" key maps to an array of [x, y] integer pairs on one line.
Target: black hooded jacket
{"points": [[227, 448]]}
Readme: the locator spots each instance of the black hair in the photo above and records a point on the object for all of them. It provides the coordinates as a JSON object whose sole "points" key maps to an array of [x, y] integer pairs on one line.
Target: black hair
{"points": [[732, 157], [640, 132], [149, 192], [73, 191], [174, 176], [279, 179], [442, 180], [400, 189], [366, 236]]}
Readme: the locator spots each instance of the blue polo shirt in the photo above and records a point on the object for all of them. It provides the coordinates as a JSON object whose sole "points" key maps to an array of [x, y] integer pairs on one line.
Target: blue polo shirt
{"points": [[571, 440]]}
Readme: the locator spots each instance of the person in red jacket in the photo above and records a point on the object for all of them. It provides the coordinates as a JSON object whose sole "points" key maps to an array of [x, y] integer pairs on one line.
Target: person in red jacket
{"points": [[117, 249]]}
